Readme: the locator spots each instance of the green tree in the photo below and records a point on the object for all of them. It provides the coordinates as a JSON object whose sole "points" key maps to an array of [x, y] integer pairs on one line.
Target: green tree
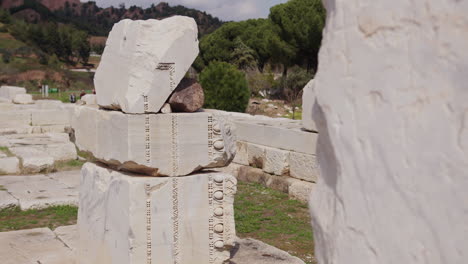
{"points": [[293, 84], [300, 24], [6, 56], [225, 87], [243, 56]]}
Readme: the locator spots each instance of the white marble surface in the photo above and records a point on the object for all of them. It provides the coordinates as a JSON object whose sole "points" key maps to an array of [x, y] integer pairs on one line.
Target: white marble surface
{"points": [[144, 61], [392, 93]]}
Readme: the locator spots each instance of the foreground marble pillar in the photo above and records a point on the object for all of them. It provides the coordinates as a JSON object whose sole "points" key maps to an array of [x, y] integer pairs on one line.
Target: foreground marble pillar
{"points": [[125, 219], [155, 144], [392, 115]]}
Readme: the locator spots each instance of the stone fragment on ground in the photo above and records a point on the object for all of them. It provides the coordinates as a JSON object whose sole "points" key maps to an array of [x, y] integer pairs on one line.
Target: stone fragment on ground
{"points": [[23, 99], [251, 251], [188, 97], [155, 144], [144, 61], [41, 191], [89, 99], [41, 245], [159, 215], [34, 246]]}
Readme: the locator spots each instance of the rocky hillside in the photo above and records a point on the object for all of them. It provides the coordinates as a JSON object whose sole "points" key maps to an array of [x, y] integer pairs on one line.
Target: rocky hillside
{"points": [[99, 21]]}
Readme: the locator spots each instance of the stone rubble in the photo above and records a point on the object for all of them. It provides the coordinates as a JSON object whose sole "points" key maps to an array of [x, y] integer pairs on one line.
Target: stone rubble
{"points": [[188, 97], [143, 63]]}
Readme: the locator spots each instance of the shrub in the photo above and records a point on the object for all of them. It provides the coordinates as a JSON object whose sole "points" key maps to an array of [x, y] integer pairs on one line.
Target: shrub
{"points": [[6, 56], [225, 87]]}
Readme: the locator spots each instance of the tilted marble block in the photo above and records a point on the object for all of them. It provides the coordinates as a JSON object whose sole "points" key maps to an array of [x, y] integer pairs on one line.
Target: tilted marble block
{"points": [[144, 61], [155, 144], [124, 219]]}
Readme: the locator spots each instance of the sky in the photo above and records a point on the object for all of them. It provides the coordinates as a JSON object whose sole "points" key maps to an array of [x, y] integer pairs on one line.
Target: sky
{"points": [[226, 10]]}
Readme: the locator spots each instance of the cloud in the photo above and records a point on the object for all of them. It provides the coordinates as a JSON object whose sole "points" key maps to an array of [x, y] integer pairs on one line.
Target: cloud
{"points": [[224, 9]]}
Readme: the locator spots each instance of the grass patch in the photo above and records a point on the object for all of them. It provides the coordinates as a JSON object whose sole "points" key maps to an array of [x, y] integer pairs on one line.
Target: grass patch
{"points": [[6, 151], [270, 216], [68, 165], [52, 217]]}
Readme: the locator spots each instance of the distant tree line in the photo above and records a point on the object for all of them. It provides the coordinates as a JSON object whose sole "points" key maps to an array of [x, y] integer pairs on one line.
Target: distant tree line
{"points": [[291, 35], [65, 42], [98, 21]]}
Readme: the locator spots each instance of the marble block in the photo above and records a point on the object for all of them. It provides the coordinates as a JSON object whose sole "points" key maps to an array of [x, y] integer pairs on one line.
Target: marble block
{"points": [[144, 61], [23, 99], [155, 144], [9, 92], [308, 101], [124, 219]]}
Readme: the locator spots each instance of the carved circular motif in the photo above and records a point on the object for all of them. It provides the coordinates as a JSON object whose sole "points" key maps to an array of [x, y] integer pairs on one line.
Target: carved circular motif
{"points": [[218, 178], [216, 128], [218, 211], [219, 228], [218, 145], [218, 195], [219, 244]]}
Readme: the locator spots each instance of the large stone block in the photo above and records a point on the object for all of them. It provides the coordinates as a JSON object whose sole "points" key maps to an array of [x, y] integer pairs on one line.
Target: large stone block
{"points": [[155, 144], [15, 118], [128, 219], [9, 165], [303, 166], [34, 160], [276, 161], [50, 117], [23, 99], [9, 92], [281, 134], [242, 156], [144, 61], [392, 116]]}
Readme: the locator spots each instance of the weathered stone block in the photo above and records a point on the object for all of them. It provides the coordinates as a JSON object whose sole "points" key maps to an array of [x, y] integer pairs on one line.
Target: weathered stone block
{"points": [[9, 165], [9, 92], [281, 134], [242, 156], [276, 161], [256, 155], [13, 119], [300, 190], [33, 159], [155, 144], [50, 117], [303, 166], [89, 99], [23, 99], [188, 97], [128, 219], [144, 61]]}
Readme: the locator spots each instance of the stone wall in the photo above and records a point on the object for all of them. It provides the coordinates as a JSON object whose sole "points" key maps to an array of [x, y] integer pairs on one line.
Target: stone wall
{"points": [[392, 116], [275, 152]]}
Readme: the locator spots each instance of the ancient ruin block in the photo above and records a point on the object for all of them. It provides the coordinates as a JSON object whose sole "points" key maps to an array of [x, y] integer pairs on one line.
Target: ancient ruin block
{"points": [[23, 99], [9, 92], [188, 96], [126, 219], [155, 144], [144, 61]]}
